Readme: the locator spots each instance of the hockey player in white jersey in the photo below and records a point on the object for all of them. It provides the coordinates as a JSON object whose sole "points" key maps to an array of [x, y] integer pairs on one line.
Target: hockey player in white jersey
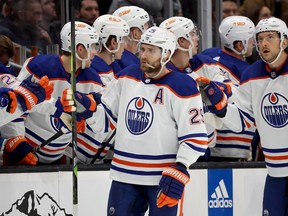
{"points": [[186, 60], [40, 126], [16, 98], [111, 30], [138, 21], [160, 130], [262, 100], [237, 37]]}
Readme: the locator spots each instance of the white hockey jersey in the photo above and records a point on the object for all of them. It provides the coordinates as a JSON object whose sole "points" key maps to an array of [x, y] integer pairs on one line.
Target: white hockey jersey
{"points": [[201, 65], [9, 81], [230, 144], [159, 121], [263, 99], [41, 126]]}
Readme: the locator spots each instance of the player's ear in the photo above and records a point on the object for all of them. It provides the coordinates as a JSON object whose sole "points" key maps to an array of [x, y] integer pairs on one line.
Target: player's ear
{"points": [[285, 43], [166, 57], [135, 33], [112, 44], [180, 40], [238, 46]]}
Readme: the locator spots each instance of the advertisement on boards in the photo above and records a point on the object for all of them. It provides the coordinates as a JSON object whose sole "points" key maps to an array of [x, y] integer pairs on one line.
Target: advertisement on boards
{"points": [[220, 192]]}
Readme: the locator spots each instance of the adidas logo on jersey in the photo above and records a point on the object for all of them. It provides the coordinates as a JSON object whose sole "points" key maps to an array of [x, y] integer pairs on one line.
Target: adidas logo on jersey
{"points": [[220, 198]]}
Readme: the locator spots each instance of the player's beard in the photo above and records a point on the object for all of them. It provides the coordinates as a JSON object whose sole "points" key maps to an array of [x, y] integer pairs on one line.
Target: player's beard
{"points": [[151, 69]]}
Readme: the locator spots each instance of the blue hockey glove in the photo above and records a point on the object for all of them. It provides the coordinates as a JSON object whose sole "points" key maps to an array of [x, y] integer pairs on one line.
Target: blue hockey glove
{"points": [[18, 151], [8, 99], [30, 93], [225, 86], [172, 185], [65, 105], [86, 105], [86, 101], [213, 96]]}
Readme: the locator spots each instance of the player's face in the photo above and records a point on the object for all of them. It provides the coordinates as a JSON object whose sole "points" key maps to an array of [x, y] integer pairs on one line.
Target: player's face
{"points": [[269, 45], [195, 39], [83, 54], [119, 53], [150, 57]]}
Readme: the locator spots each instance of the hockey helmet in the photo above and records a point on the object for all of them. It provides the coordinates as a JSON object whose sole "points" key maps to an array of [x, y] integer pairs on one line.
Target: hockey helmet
{"points": [[181, 27], [134, 16], [236, 28], [84, 34], [161, 38], [272, 24], [110, 25]]}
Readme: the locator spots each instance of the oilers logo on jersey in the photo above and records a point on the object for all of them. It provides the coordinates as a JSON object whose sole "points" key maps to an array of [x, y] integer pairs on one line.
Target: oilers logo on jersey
{"points": [[139, 115], [274, 110]]}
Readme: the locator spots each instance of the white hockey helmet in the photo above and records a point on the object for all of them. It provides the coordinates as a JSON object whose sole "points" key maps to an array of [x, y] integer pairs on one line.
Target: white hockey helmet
{"points": [[272, 24], [84, 34], [161, 38], [134, 16], [181, 27], [110, 25], [236, 28]]}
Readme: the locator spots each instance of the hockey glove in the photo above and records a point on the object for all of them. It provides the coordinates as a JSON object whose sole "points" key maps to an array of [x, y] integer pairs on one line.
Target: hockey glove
{"points": [[213, 96], [86, 105], [30, 93], [86, 101], [18, 151], [65, 105], [8, 99], [172, 185]]}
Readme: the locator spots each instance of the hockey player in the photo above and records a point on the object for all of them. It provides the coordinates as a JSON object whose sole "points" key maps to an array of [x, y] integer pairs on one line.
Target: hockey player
{"points": [[111, 30], [138, 21], [187, 47], [16, 98], [160, 130], [262, 100], [236, 33], [39, 126]]}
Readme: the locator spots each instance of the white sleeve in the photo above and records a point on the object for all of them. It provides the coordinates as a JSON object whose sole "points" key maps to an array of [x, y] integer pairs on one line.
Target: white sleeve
{"points": [[24, 73], [108, 110], [6, 117], [12, 129]]}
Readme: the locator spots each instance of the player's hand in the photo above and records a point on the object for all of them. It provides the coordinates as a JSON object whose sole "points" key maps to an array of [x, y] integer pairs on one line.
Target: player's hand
{"points": [[172, 185], [30, 93], [86, 105], [18, 151], [213, 96], [86, 101], [225, 86], [8, 99], [65, 105]]}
